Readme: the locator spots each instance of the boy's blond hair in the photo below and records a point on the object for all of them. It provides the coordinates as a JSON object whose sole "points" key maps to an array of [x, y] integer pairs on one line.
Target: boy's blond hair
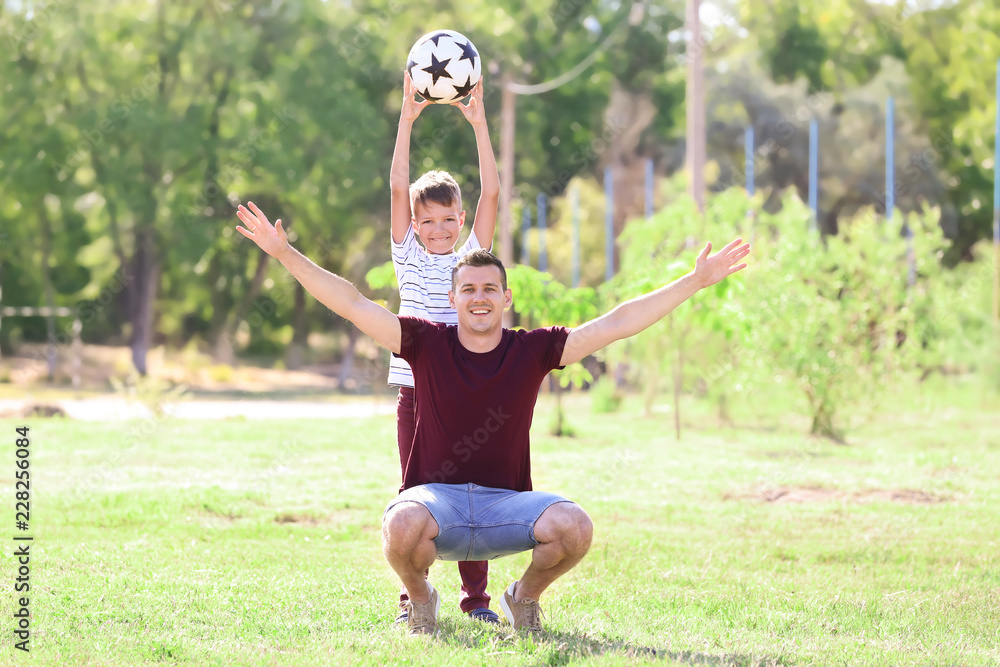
{"points": [[435, 186]]}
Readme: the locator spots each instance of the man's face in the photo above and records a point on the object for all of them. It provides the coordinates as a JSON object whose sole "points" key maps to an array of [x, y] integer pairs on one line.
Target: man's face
{"points": [[437, 226], [479, 299]]}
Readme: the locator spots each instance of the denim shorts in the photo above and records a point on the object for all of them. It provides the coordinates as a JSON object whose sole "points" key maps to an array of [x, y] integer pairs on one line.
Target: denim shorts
{"points": [[478, 522]]}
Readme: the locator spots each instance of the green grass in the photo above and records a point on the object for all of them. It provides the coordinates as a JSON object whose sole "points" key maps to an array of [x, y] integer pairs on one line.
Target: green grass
{"points": [[246, 542]]}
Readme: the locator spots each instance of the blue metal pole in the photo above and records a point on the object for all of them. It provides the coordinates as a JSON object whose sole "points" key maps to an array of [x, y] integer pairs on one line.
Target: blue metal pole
{"points": [[525, 228], [574, 195], [890, 159], [543, 258], [814, 172], [649, 188], [748, 151], [609, 225]]}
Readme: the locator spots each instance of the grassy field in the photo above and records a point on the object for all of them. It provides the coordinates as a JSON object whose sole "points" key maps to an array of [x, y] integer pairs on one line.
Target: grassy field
{"points": [[257, 542]]}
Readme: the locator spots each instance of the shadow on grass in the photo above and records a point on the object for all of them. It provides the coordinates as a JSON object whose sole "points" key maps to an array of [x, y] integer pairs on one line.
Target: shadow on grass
{"points": [[553, 647]]}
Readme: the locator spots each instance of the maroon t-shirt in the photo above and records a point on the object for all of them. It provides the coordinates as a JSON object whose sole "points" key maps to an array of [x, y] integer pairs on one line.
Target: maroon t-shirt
{"points": [[474, 409]]}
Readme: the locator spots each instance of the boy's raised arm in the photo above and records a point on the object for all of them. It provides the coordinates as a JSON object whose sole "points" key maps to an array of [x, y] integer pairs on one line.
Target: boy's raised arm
{"points": [[485, 222], [399, 174], [640, 313], [331, 290]]}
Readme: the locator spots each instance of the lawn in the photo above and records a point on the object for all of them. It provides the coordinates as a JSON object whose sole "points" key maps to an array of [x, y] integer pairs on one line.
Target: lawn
{"points": [[257, 542]]}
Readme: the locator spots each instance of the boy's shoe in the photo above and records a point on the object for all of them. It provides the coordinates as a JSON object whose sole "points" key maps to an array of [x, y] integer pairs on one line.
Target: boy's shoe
{"points": [[403, 616], [485, 615], [523, 615], [421, 619]]}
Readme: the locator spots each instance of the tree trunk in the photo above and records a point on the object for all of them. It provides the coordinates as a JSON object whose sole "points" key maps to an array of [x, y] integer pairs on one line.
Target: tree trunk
{"points": [[300, 336], [50, 301], [628, 116], [724, 417], [224, 351], [823, 414], [146, 270], [220, 303], [557, 389], [678, 378], [347, 364], [678, 373], [652, 387]]}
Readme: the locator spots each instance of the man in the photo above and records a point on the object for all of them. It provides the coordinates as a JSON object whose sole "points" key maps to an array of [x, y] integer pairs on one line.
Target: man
{"points": [[431, 209], [468, 479]]}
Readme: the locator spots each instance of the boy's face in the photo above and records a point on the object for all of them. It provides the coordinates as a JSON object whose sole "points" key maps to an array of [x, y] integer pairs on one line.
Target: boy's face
{"points": [[438, 226]]}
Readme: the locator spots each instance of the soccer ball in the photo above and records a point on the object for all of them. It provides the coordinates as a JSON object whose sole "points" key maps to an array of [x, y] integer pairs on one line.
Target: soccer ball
{"points": [[444, 66]]}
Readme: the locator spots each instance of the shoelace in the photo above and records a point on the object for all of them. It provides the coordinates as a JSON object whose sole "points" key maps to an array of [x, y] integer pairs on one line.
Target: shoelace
{"points": [[422, 615], [533, 612]]}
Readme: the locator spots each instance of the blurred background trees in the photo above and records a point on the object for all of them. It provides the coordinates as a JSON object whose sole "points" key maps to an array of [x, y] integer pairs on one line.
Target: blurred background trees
{"points": [[128, 134]]}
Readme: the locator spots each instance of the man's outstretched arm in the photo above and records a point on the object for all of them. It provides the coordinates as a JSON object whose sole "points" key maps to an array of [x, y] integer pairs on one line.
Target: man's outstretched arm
{"points": [[640, 313], [331, 290]]}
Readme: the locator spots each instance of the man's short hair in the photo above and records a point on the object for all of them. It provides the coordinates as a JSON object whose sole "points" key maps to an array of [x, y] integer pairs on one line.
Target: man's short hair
{"points": [[435, 186], [479, 257]]}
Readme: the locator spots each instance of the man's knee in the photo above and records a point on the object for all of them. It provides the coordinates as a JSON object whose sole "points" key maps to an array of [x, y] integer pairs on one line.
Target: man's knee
{"points": [[568, 523], [408, 521]]}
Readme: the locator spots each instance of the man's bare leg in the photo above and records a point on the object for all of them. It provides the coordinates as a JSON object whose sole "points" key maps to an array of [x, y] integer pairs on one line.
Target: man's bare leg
{"points": [[564, 531], [408, 531]]}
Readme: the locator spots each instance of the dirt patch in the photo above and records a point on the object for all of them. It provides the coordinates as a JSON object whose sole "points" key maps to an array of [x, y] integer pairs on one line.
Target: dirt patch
{"points": [[13, 411], [816, 494], [198, 371], [308, 519]]}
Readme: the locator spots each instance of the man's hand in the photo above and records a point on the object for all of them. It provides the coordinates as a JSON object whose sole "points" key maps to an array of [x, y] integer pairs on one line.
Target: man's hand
{"points": [[411, 107], [272, 239], [710, 270], [474, 111]]}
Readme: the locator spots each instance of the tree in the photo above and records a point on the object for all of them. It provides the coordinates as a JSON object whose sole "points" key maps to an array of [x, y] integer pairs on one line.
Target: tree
{"points": [[542, 301], [657, 251], [858, 328]]}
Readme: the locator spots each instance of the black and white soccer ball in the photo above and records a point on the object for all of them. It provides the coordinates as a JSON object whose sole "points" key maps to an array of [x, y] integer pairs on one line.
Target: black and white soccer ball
{"points": [[444, 66]]}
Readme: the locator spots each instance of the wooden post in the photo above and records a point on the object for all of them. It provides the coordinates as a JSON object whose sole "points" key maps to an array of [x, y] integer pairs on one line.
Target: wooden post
{"points": [[507, 129], [77, 352], [694, 158]]}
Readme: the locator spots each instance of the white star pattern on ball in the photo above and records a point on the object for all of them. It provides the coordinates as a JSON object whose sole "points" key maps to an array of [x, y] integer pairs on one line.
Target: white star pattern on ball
{"points": [[444, 66]]}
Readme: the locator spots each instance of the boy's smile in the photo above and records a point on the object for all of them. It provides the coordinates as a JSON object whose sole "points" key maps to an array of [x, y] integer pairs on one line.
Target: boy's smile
{"points": [[438, 225]]}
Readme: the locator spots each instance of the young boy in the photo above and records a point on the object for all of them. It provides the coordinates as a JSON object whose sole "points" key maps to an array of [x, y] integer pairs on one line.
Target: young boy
{"points": [[431, 209]]}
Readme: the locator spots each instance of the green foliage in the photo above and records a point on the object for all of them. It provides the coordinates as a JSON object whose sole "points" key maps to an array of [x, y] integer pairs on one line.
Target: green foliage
{"points": [[382, 276], [184, 109], [832, 316], [951, 56], [543, 301], [661, 249], [835, 317], [156, 394], [220, 372], [605, 397]]}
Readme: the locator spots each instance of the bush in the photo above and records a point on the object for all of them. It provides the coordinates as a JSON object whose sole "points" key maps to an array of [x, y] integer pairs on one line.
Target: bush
{"points": [[221, 373], [833, 315], [605, 397]]}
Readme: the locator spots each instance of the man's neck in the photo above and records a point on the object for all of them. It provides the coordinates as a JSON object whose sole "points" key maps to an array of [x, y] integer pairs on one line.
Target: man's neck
{"points": [[480, 343]]}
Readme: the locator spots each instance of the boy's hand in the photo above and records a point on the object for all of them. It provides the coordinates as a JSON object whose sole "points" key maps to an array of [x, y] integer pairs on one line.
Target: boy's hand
{"points": [[474, 111], [272, 239], [710, 270], [411, 107]]}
